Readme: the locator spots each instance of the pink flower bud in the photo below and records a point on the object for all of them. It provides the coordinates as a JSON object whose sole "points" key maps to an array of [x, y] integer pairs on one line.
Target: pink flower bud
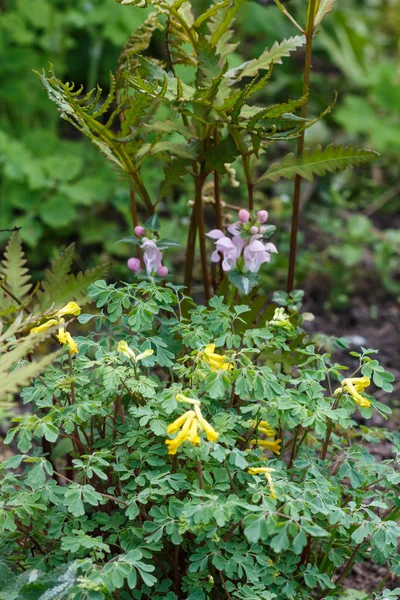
{"points": [[134, 265], [254, 230], [244, 215], [139, 230], [262, 216], [162, 271]]}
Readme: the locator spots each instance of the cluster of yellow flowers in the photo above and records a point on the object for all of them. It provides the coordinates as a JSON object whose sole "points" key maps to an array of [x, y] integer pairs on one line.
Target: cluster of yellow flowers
{"points": [[353, 386], [64, 337], [281, 319], [216, 361], [126, 351], [189, 425], [267, 473], [265, 428]]}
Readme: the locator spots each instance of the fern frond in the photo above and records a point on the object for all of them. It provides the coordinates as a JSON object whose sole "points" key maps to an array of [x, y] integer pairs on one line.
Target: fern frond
{"points": [[73, 287], [14, 273], [268, 57], [318, 162], [13, 381], [219, 25], [138, 41], [325, 7], [179, 34]]}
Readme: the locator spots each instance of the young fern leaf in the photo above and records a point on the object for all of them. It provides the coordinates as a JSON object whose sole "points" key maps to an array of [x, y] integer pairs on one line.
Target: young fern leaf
{"points": [[12, 382], [218, 25], [14, 275], [138, 41], [72, 287], [325, 7], [268, 57], [317, 162]]}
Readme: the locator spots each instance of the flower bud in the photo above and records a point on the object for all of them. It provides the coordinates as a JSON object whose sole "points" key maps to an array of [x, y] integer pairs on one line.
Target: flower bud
{"points": [[162, 271], [262, 216], [139, 230], [254, 230], [134, 265], [263, 229], [244, 215]]}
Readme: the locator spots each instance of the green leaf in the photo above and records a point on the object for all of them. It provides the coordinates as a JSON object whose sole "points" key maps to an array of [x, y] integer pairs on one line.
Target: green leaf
{"points": [[318, 162], [153, 223], [278, 51], [244, 282], [14, 275], [325, 7]]}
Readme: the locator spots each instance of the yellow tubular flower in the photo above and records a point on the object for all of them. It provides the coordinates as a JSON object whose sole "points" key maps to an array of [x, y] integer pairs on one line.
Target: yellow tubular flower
{"points": [[211, 434], [193, 435], [182, 436], [125, 350], [216, 361], [183, 398], [354, 385], [177, 424], [72, 345], [45, 326], [274, 446], [72, 308], [144, 354], [267, 473]]}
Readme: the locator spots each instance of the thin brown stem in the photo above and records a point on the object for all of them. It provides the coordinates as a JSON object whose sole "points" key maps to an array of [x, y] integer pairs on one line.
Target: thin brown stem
{"points": [[224, 585], [202, 233], [190, 249], [200, 474], [309, 33]]}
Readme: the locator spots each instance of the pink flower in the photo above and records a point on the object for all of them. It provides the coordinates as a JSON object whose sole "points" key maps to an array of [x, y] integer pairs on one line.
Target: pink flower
{"points": [[257, 253], [262, 216], [162, 271], [134, 265], [139, 230], [244, 215], [152, 256]]}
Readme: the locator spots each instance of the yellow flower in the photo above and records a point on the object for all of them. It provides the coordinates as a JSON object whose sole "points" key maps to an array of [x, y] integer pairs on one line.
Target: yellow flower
{"points": [[177, 424], [263, 427], [281, 319], [125, 350], [216, 361], [211, 434], [144, 354], [189, 425], [267, 473], [44, 326], [354, 385], [72, 308], [64, 337], [183, 398], [183, 435], [274, 446]]}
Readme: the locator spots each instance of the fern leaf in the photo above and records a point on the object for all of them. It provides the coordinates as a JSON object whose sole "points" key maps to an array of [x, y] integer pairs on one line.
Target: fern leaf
{"points": [[219, 27], [325, 7], [138, 41], [274, 55], [59, 268], [318, 162], [13, 381], [14, 273], [71, 288]]}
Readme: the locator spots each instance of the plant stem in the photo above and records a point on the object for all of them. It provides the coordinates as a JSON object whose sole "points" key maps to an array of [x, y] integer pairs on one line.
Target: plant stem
{"points": [[202, 233], [200, 474], [249, 181], [309, 32], [190, 247]]}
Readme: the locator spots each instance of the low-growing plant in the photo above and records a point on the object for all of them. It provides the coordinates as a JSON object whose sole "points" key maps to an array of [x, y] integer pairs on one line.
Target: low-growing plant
{"points": [[195, 456], [187, 452]]}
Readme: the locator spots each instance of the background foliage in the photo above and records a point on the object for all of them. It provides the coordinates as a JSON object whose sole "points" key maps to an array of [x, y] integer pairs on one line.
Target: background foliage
{"points": [[57, 188]]}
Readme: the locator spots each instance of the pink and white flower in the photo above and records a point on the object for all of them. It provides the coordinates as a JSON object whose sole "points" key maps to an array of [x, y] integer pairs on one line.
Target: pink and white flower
{"points": [[152, 256], [257, 253], [230, 249]]}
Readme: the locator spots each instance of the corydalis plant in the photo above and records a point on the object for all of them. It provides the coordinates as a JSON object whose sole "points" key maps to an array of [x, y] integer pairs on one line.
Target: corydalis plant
{"points": [[194, 128]]}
